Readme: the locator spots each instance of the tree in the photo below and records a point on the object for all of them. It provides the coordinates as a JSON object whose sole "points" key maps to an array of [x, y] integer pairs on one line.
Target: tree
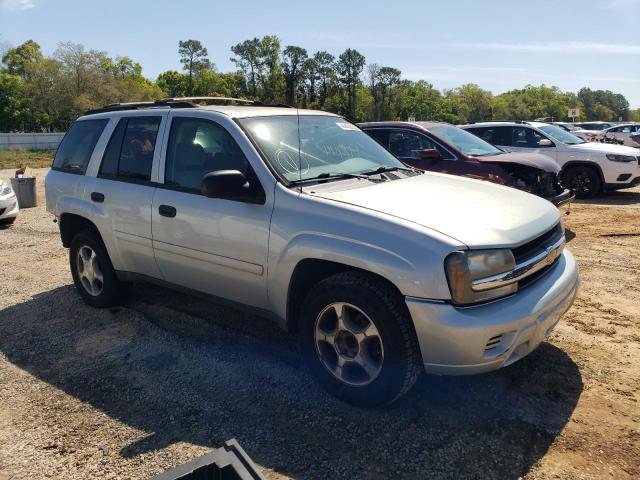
{"points": [[349, 67], [388, 78], [193, 57], [18, 59], [325, 68], [271, 76], [373, 77], [293, 68], [248, 61], [173, 84], [471, 102]]}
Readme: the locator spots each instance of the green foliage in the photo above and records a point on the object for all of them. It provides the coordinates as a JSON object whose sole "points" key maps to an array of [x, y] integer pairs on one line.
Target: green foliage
{"points": [[39, 93], [193, 56]]}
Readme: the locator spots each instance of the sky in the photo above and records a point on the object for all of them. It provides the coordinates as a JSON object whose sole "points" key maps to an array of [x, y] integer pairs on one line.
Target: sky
{"points": [[498, 44]]}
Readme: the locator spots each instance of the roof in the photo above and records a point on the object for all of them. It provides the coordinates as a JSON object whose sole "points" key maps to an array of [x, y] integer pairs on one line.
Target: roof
{"points": [[502, 124], [422, 124], [234, 108], [228, 110]]}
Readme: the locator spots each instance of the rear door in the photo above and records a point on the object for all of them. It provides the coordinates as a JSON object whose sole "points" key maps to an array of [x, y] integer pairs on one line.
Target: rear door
{"points": [[124, 187], [213, 245], [500, 136]]}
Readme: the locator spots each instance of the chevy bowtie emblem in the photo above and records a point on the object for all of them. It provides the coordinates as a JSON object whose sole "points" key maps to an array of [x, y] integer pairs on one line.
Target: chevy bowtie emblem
{"points": [[552, 254]]}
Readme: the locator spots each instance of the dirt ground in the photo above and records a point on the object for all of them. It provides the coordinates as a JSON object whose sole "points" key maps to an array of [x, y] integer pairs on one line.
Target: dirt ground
{"points": [[131, 391]]}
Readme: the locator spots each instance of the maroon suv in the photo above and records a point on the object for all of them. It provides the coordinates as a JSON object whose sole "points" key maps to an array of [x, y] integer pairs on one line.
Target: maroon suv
{"points": [[441, 147]]}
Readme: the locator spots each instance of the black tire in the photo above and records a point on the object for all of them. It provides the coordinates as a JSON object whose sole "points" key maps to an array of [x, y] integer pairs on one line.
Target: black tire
{"points": [[8, 221], [112, 291], [583, 180], [401, 363]]}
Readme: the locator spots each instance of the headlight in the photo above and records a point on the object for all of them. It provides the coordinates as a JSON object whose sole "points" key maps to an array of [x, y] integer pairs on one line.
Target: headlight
{"points": [[462, 268], [620, 158], [5, 188]]}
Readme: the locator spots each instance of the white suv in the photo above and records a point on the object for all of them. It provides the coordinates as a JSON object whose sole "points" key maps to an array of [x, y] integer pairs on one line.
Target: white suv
{"points": [[381, 270], [588, 168]]}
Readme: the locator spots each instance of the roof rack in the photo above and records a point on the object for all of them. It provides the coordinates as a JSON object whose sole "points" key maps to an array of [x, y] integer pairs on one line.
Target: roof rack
{"points": [[180, 102]]}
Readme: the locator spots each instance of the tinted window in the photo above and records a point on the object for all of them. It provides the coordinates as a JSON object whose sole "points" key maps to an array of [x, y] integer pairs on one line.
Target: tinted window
{"points": [[109, 167], [197, 147], [493, 135], [408, 144], [380, 135], [136, 154], [77, 145]]}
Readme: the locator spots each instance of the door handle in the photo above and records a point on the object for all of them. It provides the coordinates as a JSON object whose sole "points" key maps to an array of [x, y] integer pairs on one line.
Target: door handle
{"points": [[97, 197], [167, 211]]}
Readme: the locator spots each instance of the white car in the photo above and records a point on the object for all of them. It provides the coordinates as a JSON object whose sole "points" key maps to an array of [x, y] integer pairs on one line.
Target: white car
{"points": [[588, 168], [381, 270], [8, 203], [586, 135], [623, 133]]}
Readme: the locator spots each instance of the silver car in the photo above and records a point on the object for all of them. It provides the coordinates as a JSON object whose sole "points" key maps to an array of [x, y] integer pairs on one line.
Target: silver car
{"points": [[382, 271]]}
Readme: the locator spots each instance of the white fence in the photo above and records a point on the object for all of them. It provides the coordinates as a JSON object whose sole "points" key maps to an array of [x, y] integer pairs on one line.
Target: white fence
{"points": [[29, 141]]}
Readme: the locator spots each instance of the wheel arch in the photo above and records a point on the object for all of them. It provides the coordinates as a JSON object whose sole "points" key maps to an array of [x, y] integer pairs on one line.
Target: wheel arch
{"points": [[583, 163], [307, 273], [71, 224]]}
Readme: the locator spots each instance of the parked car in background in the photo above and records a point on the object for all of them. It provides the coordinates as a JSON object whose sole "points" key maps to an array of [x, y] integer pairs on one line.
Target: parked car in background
{"points": [[623, 134], [8, 203], [594, 126], [442, 147], [380, 270], [587, 168], [586, 135]]}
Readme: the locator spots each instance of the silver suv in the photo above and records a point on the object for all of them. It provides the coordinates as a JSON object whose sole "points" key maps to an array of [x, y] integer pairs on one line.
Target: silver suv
{"points": [[381, 270]]}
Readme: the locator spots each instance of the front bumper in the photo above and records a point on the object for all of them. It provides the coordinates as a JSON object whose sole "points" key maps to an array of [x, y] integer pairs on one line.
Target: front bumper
{"points": [[564, 199], [8, 206], [464, 341]]}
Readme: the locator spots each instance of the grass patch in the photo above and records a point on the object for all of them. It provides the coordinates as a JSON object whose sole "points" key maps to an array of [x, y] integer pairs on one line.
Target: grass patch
{"points": [[30, 158]]}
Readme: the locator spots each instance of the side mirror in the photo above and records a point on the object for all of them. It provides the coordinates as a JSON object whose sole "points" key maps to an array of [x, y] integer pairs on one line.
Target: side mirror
{"points": [[227, 184], [545, 142], [432, 154]]}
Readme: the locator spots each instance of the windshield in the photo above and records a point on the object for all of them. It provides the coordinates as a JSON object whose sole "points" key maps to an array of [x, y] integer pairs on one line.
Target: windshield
{"points": [[328, 146], [560, 135], [568, 127], [595, 126], [464, 141]]}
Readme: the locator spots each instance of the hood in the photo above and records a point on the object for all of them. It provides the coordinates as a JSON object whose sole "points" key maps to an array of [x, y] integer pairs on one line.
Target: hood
{"points": [[476, 213], [607, 148], [535, 160]]}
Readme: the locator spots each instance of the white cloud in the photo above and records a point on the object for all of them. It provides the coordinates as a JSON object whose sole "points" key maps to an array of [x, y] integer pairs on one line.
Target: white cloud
{"points": [[16, 5], [556, 47]]}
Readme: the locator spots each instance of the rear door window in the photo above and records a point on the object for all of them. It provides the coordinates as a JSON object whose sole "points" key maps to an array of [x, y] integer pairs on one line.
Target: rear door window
{"points": [[409, 144], [129, 154], [75, 150], [494, 135]]}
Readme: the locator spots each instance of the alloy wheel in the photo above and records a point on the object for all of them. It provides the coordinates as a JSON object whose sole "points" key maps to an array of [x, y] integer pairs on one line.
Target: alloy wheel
{"points": [[89, 271], [348, 344]]}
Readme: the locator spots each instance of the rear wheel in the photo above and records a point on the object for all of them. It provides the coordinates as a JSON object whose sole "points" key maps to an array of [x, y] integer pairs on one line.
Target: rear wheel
{"points": [[93, 275], [583, 180], [358, 339]]}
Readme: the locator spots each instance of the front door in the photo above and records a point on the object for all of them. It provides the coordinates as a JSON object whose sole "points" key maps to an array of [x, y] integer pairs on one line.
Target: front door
{"points": [[213, 245]]}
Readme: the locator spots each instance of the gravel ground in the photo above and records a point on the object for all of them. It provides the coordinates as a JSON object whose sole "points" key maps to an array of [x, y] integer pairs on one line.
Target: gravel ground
{"points": [[132, 391]]}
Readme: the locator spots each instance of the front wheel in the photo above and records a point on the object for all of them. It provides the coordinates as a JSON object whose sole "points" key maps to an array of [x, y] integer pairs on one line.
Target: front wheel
{"points": [[583, 180], [359, 340], [92, 272]]}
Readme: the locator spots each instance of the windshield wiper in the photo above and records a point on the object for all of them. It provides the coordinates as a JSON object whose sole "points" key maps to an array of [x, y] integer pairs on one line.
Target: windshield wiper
{"points": [[389, 169], [331, 176]]}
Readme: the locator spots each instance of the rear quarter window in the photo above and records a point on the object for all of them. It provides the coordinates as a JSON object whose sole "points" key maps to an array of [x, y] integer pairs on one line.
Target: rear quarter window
{"points": [[75, 150]]}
